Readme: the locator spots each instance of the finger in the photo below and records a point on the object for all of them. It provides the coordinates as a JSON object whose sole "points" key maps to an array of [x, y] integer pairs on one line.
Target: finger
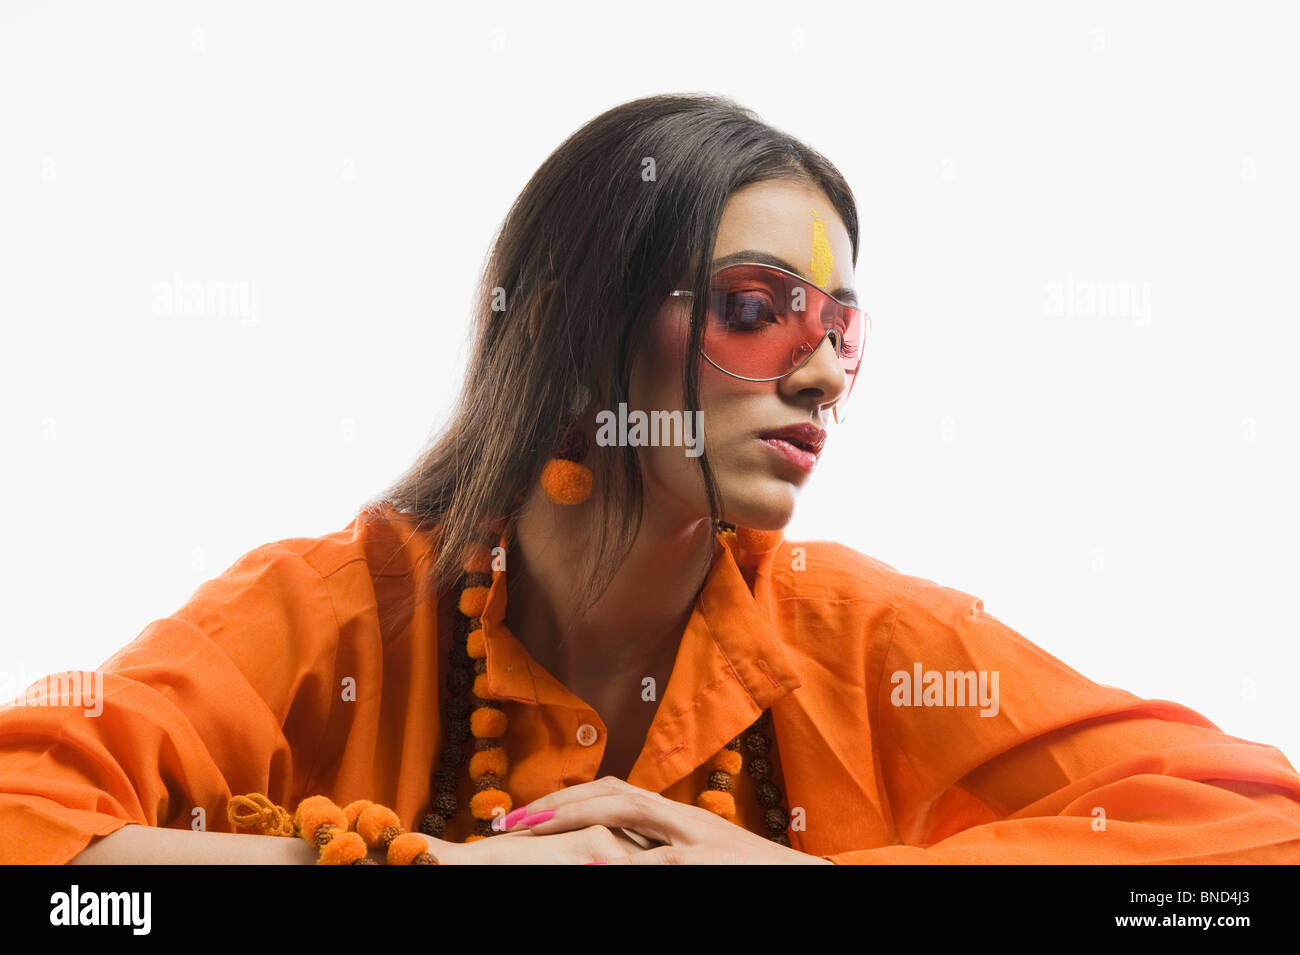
{"points": [[606, 785], [646, 813]]}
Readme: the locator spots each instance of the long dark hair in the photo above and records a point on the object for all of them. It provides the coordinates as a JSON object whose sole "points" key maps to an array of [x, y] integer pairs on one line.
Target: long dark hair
{"points": [[621, 212]]}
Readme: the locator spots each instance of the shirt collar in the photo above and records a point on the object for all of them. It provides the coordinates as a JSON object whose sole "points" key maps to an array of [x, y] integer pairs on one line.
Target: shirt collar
{"points": [[730, 666]]}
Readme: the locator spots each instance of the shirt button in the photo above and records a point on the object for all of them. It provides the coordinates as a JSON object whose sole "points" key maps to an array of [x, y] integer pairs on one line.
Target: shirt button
{"points": [[587, 734]]}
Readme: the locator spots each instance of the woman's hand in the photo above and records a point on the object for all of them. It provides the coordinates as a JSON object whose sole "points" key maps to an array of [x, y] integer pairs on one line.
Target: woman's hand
{"points": [[523, 847], [690, 835]]}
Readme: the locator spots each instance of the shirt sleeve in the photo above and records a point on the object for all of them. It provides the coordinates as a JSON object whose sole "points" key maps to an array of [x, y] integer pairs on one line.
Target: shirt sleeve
{"points": [[224, 696], [990, 750]]}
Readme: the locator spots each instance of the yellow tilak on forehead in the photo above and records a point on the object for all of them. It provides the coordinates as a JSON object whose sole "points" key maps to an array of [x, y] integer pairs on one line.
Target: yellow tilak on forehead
{"points": [[822, 260]]}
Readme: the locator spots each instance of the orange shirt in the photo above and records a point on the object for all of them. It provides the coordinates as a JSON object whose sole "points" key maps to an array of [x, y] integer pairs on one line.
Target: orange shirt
{"points": [[245, 689]]}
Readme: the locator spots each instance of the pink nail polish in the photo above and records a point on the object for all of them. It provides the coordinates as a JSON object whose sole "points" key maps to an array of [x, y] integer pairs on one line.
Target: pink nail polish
{"points": [[512, 817], [537, 817]]}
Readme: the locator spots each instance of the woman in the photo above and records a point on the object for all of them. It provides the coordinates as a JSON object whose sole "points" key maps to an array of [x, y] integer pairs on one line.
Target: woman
{"points": [[568, 623]]}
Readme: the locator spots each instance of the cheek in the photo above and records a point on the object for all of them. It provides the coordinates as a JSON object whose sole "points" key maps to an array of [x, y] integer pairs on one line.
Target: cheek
{"points": [[670, 338], [657, 371], [658, 383]]}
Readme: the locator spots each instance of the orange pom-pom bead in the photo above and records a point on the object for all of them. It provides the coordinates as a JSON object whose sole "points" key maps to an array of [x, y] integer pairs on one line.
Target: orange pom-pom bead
{"points": [[481, 687], [406, 847], [354, 809], [489, 761], [309, 803], [484, 805], [717, 802], [758, 542], [374, 820], [476, 645], [478, 559], [487, 723], [727, 760], [343, 849], [473, 600], [566, 482], [316, 815]]}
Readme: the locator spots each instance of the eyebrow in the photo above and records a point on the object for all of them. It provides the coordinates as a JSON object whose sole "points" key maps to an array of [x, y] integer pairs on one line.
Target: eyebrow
{"points": [[846, 295]]}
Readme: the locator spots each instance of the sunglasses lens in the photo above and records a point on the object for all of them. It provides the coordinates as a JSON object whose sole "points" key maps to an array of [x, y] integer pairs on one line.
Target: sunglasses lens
{"points": [[764, 323]]}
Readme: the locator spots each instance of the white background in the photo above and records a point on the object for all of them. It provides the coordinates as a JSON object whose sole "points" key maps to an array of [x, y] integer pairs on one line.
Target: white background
{"points": [[1114, 477]]}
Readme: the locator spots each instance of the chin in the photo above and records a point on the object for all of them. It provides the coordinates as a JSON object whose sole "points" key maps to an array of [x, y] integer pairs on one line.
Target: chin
{"points": [[772, 513]]}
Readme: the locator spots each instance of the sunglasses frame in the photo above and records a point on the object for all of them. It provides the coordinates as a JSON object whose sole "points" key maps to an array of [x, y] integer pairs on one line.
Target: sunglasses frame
{"points": [[813, 351]]}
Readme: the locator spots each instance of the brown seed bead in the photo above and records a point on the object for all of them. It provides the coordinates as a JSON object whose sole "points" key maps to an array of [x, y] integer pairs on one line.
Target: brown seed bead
{"points": [[776, 820], [424, 858], [458, 730], [482, 744], [755, 744], [487, 781], [572, 444], [433, 825], [480, 666], [483, 827], [459, 707], [768, 795], [478, 579], [452, 756], [782, 839], [446, 805], [364, 860], [388, 834], [760, 767], [459, 679], [445, 779], [720, 781], [490, 704], [458, 656], [733, 744], [324, 833]]}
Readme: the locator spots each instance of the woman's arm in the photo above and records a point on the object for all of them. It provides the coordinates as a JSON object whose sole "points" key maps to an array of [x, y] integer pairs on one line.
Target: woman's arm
{"points": [[150, 845], [1061, 769]]}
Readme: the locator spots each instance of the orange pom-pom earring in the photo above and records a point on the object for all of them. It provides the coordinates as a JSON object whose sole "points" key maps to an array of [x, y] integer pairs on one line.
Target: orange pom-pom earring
{"points": [[565, 478]]}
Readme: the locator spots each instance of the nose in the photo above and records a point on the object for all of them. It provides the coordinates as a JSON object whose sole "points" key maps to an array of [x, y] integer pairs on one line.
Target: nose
{"points": [[820, 380]]}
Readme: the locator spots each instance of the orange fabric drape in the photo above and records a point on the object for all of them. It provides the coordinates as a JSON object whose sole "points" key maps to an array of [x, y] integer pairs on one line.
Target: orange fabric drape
{"points": [[313, 665]]}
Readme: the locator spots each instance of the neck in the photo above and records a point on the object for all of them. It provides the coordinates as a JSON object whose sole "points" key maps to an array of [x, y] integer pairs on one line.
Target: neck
{"points": [[636, 623]]}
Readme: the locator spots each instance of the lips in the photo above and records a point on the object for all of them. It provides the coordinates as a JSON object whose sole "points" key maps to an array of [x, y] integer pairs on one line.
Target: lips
{"points": [[805, 436], [798, 444]]}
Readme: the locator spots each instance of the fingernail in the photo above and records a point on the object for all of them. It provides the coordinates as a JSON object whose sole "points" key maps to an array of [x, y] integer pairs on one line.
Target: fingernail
{"points": [[510, 818], [537, 817]]}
